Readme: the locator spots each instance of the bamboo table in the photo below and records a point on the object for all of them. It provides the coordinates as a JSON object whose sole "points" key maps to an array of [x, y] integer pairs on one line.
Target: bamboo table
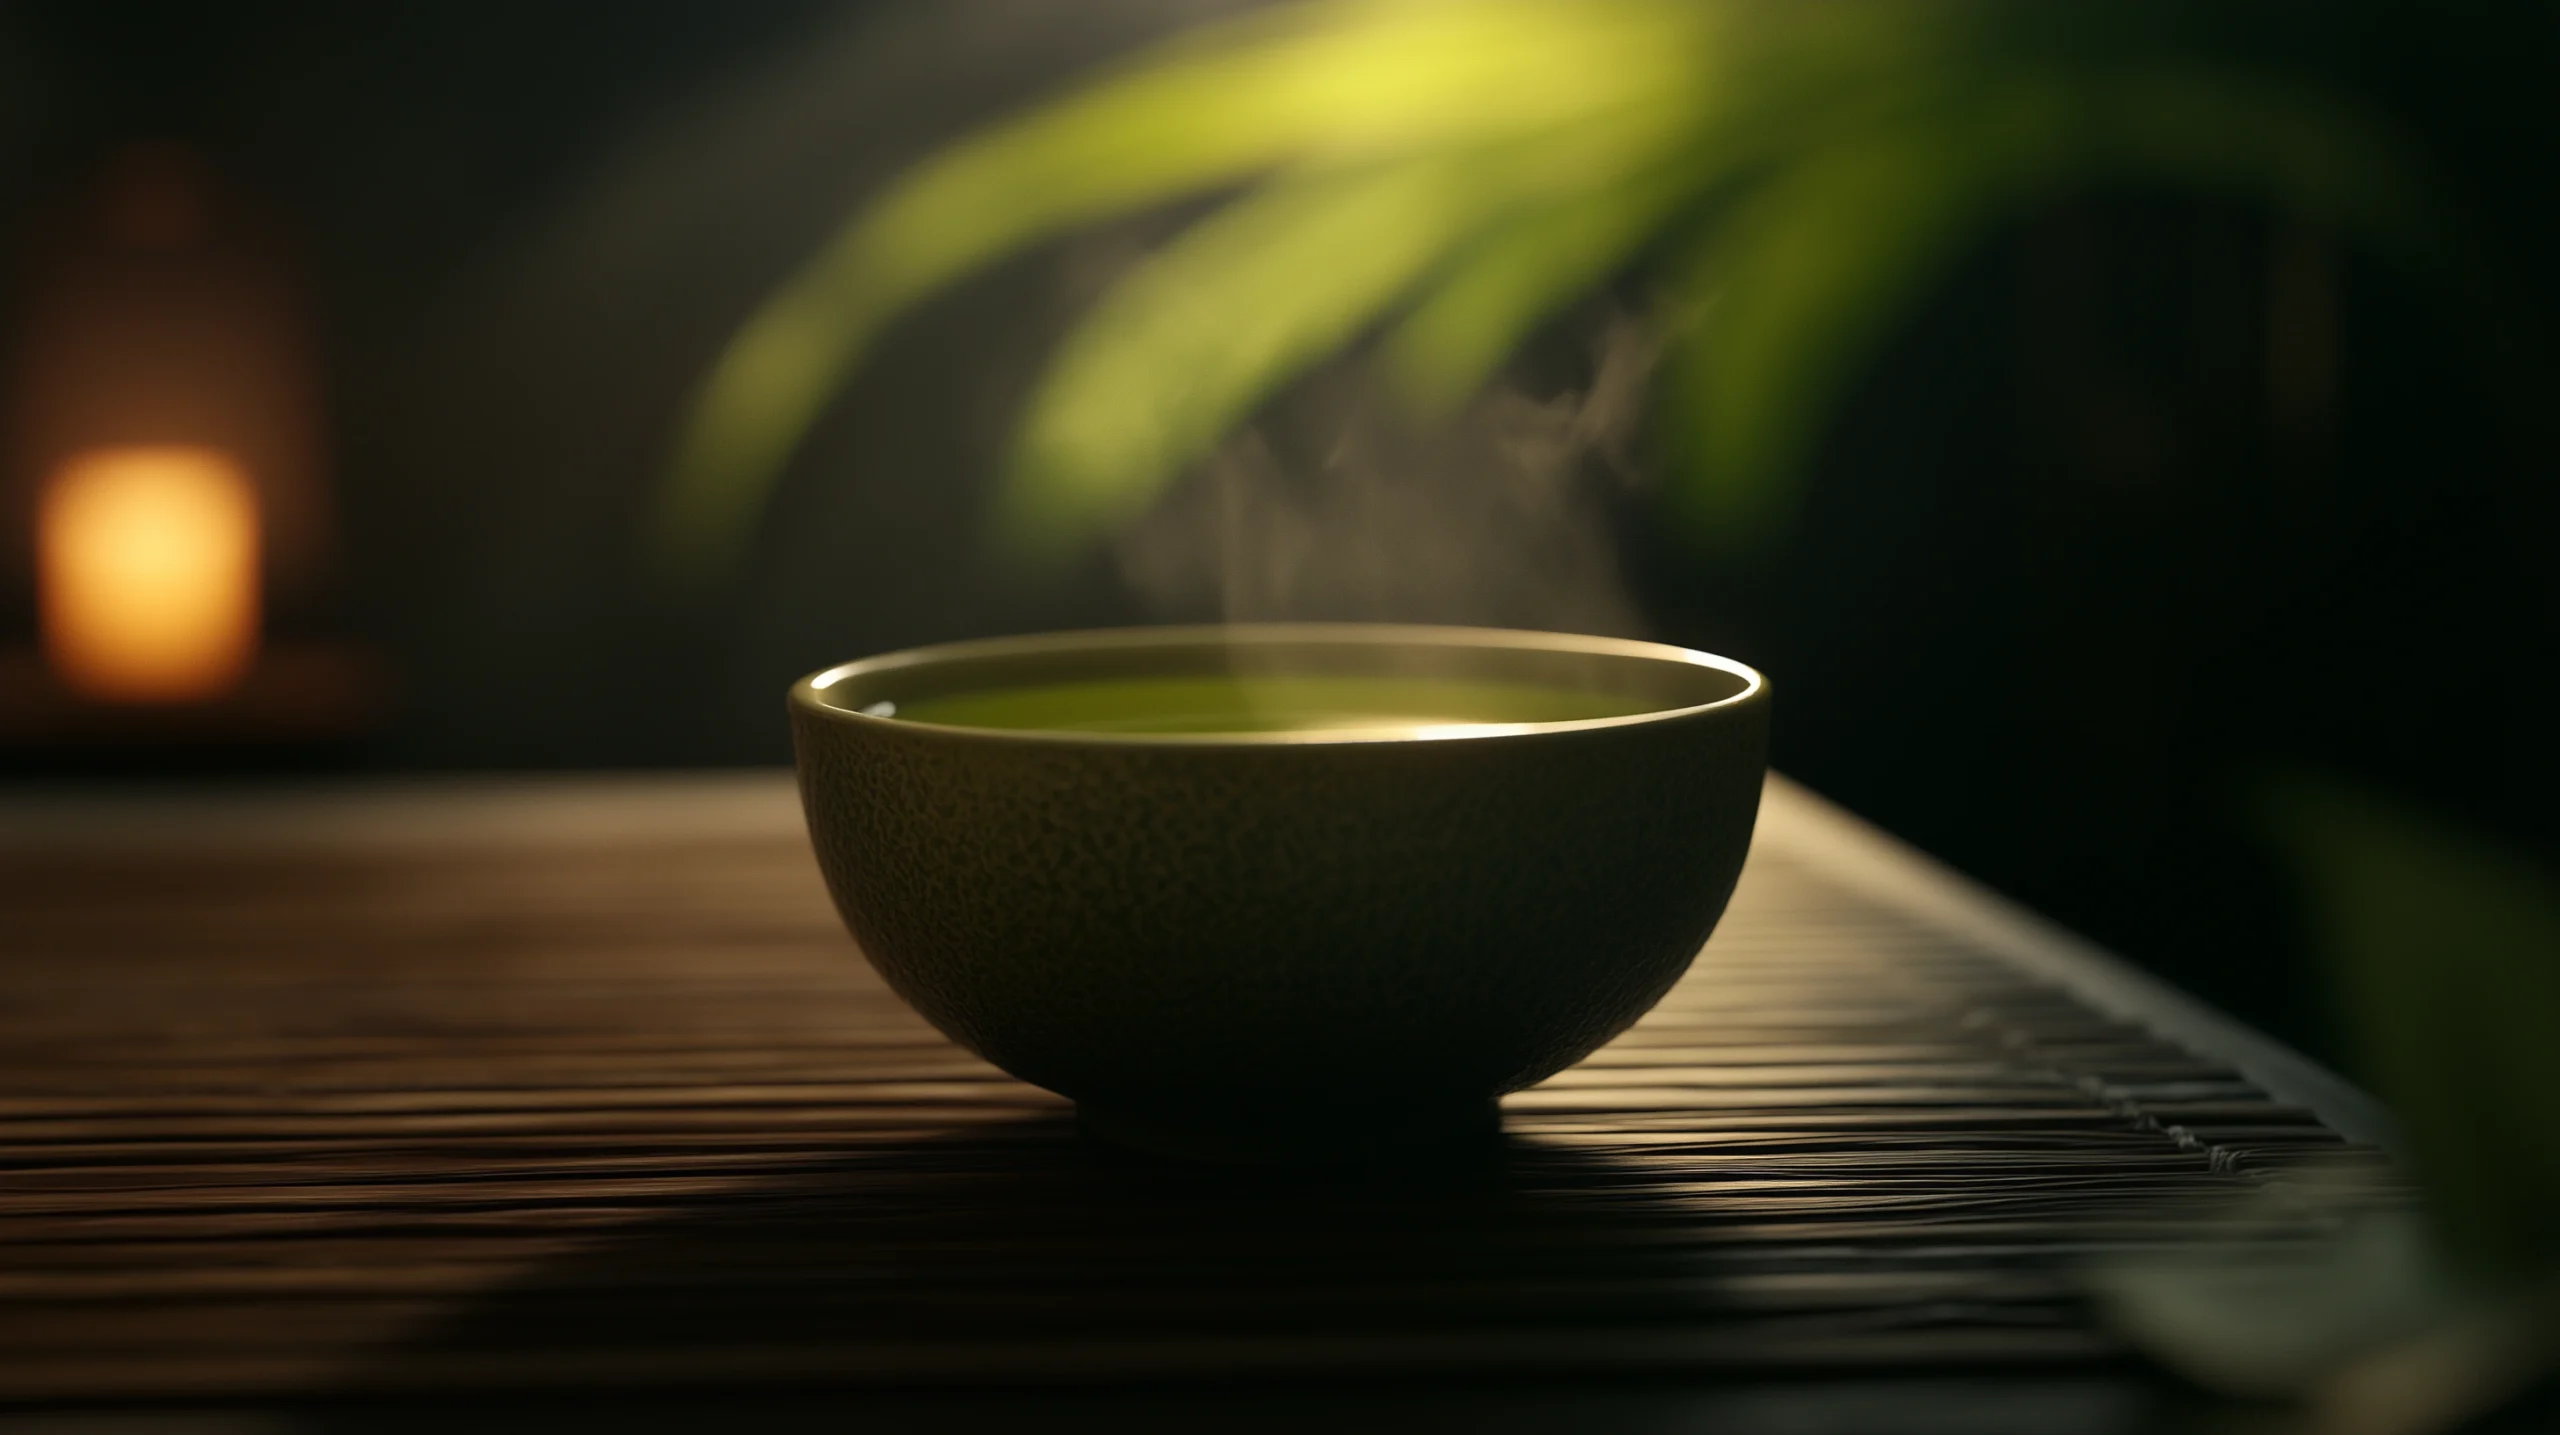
{"points": [[570, 1100]]}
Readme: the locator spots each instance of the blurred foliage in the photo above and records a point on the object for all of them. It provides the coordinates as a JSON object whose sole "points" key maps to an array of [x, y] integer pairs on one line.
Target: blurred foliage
{"points": [[2446, 954], [2445, 951], [1452, 172]]}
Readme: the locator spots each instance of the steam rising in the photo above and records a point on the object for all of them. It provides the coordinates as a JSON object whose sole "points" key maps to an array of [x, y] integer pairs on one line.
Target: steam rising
{"points": [[1341, 503]]}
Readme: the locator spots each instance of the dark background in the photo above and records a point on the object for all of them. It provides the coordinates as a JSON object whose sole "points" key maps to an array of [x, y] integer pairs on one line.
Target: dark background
{"points": [[2108, 534]]}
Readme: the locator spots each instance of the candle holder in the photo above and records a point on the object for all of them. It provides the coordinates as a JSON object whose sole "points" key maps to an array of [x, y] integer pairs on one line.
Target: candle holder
{"points": [[168, 499]]}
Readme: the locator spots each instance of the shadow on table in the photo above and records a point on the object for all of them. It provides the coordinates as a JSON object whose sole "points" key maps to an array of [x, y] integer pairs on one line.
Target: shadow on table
{"points": [[1015, 1269]]}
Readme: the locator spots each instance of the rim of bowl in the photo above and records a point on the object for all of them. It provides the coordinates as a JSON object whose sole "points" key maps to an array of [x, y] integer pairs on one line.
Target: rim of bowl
{"points": [[809, 692]]}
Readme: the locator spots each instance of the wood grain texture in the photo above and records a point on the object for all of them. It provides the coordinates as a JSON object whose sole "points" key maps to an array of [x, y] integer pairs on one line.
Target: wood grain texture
{"points": [[518, 1103]]}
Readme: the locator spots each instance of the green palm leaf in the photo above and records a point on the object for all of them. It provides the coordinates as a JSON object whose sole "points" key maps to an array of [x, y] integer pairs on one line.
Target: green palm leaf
{"points": [[1806, 272], [1487, 161], [1804, 276], [1495, 294], [1347, 82], [1173, 356]]}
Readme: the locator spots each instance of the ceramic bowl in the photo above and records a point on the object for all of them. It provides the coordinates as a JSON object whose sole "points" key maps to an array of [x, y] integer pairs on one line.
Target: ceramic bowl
{"points": [[1286, 940]]}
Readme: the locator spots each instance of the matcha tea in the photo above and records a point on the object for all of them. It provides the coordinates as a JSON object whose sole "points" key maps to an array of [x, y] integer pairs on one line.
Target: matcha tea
{"points": [[1256, 704]]}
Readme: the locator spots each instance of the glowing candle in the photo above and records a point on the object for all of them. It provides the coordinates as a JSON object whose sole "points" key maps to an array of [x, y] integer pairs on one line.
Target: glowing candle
{"points": [[147, 573]]}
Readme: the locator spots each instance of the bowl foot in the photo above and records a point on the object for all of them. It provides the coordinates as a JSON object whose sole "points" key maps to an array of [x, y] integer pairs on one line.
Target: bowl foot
{"points": [[1300, 1138]]}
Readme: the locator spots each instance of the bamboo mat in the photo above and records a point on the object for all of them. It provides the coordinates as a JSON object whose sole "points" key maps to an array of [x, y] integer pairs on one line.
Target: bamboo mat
{"points": [[583, 1088]]}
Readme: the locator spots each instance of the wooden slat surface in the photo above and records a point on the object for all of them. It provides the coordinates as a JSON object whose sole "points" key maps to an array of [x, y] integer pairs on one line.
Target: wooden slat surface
{"points": [[290, 1108]]}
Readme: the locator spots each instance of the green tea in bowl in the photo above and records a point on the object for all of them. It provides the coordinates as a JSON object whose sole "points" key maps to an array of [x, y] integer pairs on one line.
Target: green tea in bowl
{"points": [[1243, 704], [1282, 892]]}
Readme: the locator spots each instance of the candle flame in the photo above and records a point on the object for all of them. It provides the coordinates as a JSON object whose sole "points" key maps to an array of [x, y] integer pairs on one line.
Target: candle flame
{"points": [[148, 573]]}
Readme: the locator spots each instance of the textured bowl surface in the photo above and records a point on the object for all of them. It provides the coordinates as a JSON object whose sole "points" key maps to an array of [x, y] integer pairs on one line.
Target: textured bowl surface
{"points": [[1246, 943]]}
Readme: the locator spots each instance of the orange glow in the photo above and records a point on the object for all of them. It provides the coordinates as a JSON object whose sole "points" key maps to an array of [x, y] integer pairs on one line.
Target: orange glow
{"points": [[147, 573]]}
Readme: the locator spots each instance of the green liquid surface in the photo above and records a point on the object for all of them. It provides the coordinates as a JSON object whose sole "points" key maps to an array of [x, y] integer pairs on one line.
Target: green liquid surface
{"points": [[1261, 705]]}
